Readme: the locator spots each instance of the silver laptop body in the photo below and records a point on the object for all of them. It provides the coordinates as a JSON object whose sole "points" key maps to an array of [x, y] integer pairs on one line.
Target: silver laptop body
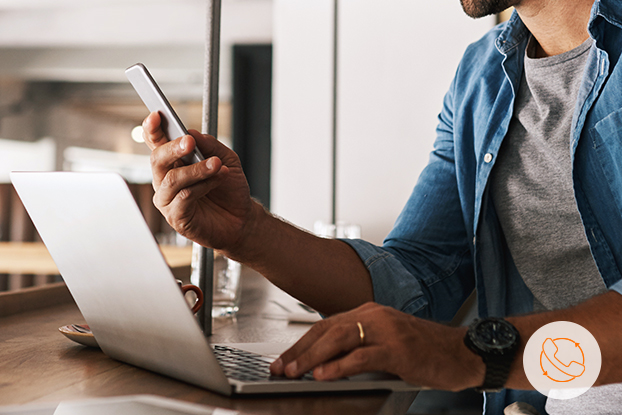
{"points": [[125, 290]]}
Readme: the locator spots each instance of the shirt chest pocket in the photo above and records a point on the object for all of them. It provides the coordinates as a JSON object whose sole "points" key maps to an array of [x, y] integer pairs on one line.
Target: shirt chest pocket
{"points": [[606, 141]]}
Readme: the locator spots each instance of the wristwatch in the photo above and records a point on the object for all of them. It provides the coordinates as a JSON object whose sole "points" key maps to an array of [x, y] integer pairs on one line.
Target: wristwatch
{"points": [[496, 341]]}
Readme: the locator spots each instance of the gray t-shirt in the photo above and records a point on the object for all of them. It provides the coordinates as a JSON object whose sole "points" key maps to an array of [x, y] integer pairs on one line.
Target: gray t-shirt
{"points": [[533, 194], [532, 185]]}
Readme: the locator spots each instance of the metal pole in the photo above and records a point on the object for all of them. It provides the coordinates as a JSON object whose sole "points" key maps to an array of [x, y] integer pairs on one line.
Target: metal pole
{"points": [[203, 258], [212, 61], [334, 120]]}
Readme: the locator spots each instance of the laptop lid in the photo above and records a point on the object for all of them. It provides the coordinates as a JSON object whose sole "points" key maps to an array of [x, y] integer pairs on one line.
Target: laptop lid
{"points": [[115, 271], [117, 275]]}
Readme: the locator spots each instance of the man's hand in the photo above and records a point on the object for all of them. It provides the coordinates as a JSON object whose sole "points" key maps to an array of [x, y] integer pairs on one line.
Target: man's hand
{"points": [[418, 351], [208, 202]]}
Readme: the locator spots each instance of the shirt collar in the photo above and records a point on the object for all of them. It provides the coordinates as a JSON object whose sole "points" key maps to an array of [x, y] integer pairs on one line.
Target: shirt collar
{"points": [[609, 10], [516, 32]]}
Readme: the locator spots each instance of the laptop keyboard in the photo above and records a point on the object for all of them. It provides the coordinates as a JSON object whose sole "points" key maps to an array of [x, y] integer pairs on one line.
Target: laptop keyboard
{"points": [[247, 366]]}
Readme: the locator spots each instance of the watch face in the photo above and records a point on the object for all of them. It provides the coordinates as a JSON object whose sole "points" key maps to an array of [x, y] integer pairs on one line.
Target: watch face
{"points": [[494, 335]]}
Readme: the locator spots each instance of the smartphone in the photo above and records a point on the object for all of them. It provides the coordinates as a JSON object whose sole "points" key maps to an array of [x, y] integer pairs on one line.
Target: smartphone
{"points": [[154, 99]]}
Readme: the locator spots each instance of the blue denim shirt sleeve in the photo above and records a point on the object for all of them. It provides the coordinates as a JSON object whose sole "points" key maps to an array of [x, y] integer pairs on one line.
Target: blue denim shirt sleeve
{"points": [[617, 287], [393, 285]]}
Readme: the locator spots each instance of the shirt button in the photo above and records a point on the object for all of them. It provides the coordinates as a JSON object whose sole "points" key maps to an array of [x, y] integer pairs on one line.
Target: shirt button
{"points": [[488, 158]]}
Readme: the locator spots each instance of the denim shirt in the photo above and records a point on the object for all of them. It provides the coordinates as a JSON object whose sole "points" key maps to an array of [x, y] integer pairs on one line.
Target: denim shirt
{"points": [[447, 241]]}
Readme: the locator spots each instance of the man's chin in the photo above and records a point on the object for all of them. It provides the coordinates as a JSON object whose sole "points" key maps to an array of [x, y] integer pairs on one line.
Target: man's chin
{"points": [[482, 8]]}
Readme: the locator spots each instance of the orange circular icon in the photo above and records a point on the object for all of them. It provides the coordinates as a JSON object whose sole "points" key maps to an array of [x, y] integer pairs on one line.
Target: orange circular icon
{"points": [[562, 359]]}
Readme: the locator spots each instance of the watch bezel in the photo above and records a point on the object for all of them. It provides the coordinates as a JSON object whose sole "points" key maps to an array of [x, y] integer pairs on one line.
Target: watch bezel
{"points": [[481, 327]]}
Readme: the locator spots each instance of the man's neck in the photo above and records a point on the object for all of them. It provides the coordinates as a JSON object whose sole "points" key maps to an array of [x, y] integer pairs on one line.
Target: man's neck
{"points": [[557, 25]]}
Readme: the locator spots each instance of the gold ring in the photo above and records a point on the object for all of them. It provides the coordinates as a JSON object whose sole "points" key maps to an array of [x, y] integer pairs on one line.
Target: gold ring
{"points": [[361, 333]]}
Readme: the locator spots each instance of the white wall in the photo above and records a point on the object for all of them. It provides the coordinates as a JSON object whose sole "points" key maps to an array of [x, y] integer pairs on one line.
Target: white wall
{"points": [[396, 63], [302, 110], [396, 60]]}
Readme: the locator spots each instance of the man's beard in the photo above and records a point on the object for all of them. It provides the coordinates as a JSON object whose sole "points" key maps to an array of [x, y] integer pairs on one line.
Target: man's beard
{"points": [[481, 8]]}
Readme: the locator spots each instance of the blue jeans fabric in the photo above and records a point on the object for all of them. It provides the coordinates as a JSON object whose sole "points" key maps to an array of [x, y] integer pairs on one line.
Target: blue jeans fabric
{"points": [[447, 241]]}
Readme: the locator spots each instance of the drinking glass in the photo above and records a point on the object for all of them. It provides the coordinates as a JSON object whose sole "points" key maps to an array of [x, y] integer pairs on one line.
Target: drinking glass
{"points": [[227, 286]]}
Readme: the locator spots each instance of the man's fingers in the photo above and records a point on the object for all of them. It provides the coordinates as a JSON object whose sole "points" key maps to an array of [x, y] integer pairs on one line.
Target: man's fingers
{"points": [[362, 359], [209, 146], [341, 337], [152, 132], [187, 182], [317, 331], [168, 156]]}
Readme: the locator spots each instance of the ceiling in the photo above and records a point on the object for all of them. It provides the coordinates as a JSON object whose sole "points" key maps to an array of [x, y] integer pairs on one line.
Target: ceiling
{"points": [[95, 40], [60, 4]]}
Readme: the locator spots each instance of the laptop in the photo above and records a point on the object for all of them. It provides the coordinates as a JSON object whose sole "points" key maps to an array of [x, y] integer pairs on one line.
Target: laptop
{"points": [[113, 267]]}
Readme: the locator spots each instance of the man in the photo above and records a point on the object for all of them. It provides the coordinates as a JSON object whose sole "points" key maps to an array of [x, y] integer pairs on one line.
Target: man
{"points": [[538, 233]]}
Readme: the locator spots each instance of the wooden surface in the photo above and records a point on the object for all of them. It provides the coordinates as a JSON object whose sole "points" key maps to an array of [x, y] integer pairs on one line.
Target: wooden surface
{"points": [[33, 298], [34, 258], [38, 364]]}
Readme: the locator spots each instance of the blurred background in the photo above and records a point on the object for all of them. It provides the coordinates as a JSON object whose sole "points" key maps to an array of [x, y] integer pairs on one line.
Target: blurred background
{"points": [[62, 80], [63, 93], [333, 114]]}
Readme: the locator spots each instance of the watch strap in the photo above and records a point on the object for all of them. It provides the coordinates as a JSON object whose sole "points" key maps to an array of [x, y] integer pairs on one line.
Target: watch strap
{"points": [[497, 372]]}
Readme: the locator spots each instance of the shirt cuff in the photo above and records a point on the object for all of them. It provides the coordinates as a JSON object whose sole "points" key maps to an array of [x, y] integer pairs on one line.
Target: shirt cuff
{"points": [[393, 285], [617, 287]]}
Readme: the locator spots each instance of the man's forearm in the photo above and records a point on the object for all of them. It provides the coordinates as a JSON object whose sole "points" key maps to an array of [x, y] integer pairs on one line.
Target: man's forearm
{"points": [[324, 273], [601, 316]]}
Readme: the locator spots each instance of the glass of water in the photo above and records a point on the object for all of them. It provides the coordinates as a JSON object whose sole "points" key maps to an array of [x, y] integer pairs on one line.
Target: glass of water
{"points": [[227, 286]]}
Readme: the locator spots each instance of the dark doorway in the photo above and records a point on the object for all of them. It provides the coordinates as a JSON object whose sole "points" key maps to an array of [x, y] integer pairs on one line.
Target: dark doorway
{"points": [[252, 112]]}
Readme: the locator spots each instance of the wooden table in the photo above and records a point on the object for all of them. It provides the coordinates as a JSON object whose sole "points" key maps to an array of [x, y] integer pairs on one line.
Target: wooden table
{"points": [[34, 258], [19, 259], [38, 364]]}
